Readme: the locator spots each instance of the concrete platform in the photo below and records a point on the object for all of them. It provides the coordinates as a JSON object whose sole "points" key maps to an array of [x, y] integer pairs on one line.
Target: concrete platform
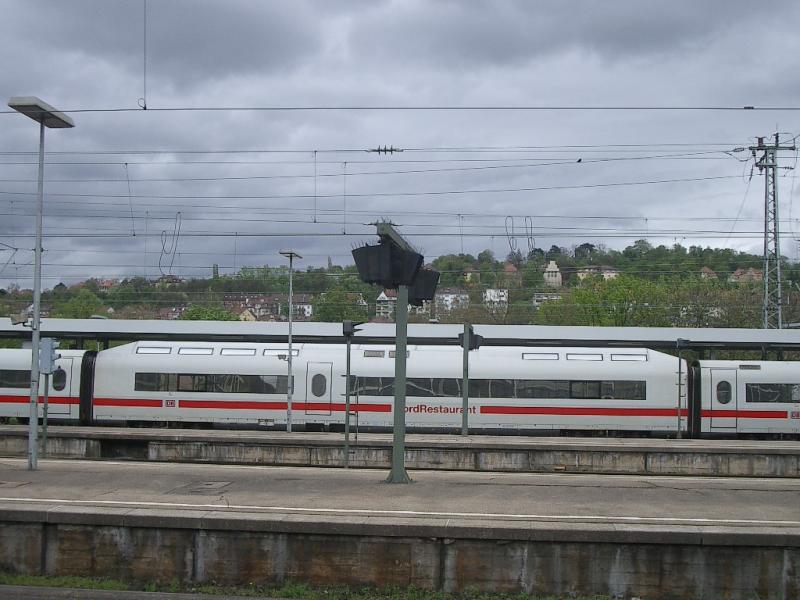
{"points": [[651, 537], [724, 458]]}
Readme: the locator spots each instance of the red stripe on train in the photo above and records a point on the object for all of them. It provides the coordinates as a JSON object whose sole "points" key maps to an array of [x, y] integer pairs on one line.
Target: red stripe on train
{"points": [[27, 399], [581, 411], [746, 414], [134, 402]]}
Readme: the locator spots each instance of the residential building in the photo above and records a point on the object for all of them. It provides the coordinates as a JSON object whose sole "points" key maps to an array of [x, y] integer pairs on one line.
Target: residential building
{"points": [[495, 299], [552, 275], [386, 303], [749, 275], [593, 270], [707, 273], [449, 299]]}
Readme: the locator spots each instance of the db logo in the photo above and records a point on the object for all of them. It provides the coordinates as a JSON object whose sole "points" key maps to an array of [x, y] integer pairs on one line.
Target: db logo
{"points": [[170, 403], [795, 414]]}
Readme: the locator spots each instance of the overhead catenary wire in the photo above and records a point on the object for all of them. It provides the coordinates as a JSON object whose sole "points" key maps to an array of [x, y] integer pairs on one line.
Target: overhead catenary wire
{"points": [[440, 108]]}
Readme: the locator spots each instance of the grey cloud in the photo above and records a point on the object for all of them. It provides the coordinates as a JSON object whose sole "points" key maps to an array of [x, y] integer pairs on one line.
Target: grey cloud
{"points": [[469, 34], [189, 41]]}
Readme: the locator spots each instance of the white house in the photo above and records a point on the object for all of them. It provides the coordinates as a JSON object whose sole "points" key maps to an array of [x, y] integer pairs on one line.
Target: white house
{"points": [[552, 275]]}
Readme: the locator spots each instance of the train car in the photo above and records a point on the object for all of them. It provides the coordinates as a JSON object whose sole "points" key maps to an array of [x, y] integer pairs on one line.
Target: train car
{"points": [[519, 388], [747, 397], [200, 382], [65, 385], [511, 388]]}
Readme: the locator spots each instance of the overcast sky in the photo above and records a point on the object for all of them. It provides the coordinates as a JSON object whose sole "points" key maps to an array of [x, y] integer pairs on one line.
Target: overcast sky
{"points": [[242, 183]]}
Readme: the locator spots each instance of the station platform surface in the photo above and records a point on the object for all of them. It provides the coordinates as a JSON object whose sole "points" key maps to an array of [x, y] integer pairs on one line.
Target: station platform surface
{"points": [[434, 497]]}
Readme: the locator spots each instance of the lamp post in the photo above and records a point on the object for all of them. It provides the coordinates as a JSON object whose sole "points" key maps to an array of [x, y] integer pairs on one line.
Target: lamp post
{"points": [[291, 255], [46, 116]]}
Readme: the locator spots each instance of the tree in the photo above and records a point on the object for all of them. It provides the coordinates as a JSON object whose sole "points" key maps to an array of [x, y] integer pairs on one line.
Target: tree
{"points": [[339, 305], [620, 302], [82, 305], [585, 251], [198, 312], [515, 258]]}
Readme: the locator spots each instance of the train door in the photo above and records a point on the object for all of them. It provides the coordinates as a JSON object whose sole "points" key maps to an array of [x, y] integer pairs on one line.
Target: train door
{"points": [[724, 399], [60, 390], [318, 388]]}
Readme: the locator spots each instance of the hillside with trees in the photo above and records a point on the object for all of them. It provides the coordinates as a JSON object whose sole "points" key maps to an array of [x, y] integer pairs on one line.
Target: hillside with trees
{"points": [[641, 285]]}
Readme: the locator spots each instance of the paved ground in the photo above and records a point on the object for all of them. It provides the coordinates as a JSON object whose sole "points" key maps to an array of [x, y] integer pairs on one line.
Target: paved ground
{"points": [[434, 495]]}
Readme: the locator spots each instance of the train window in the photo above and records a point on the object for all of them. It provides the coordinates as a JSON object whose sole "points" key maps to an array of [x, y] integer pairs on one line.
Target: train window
{"points": [[152, 382], [540, 356], [542, 388], [319, 384], [59, 379], [624, 390], [572, 356], [374, 353], [772, 392], [153, 350], [392, 354], [280, 352], [196, 351], [192, 383], [223, 383], [723, 392], [450, 388], [750, 367], [373, 386], [630, 357], [13, 378], [238, 352], [420, 387], [584, 389]]}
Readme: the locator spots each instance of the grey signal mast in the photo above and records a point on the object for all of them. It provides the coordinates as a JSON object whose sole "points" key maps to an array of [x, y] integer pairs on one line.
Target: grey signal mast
{"points": [[768, 163]]}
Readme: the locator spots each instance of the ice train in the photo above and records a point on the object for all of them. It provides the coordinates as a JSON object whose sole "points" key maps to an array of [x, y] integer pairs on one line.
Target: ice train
{"points": [[511, 389]]}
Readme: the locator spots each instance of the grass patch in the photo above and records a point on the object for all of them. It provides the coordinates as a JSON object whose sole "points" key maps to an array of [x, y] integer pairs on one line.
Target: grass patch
{"points": [[293, 591], [83, 583]]}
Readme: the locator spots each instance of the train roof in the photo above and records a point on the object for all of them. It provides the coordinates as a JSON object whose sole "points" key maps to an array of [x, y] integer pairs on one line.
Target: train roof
{"points": [[664, 338]]}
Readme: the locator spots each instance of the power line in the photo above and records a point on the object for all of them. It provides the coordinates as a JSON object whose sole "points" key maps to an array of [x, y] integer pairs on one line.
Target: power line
{"points": [[434, 108], [368, 173]]}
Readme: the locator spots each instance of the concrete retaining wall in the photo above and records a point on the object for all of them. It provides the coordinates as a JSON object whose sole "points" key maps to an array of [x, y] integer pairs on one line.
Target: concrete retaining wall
{"points": [[656, 457], [533, 558]]}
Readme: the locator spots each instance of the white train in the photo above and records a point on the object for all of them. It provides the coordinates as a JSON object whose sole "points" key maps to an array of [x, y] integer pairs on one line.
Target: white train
{"points": [[511, 388]]}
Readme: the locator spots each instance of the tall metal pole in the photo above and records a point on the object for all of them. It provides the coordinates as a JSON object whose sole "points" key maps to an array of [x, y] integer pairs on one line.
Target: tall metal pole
{"points": [[465, 384], [290, 383], [398, 473], [772, 250], [33, 423], [773, 292], [349, 339]]}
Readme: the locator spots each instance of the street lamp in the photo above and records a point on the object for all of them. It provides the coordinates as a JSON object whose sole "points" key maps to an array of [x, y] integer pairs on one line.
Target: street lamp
{"points": [[291, 255], [46, 116]]}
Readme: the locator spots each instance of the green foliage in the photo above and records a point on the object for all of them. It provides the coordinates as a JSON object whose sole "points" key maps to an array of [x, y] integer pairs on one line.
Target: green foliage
{"points": [[339, 305], [660, 286], [82, 305], [197, 312], [292, 590]]}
